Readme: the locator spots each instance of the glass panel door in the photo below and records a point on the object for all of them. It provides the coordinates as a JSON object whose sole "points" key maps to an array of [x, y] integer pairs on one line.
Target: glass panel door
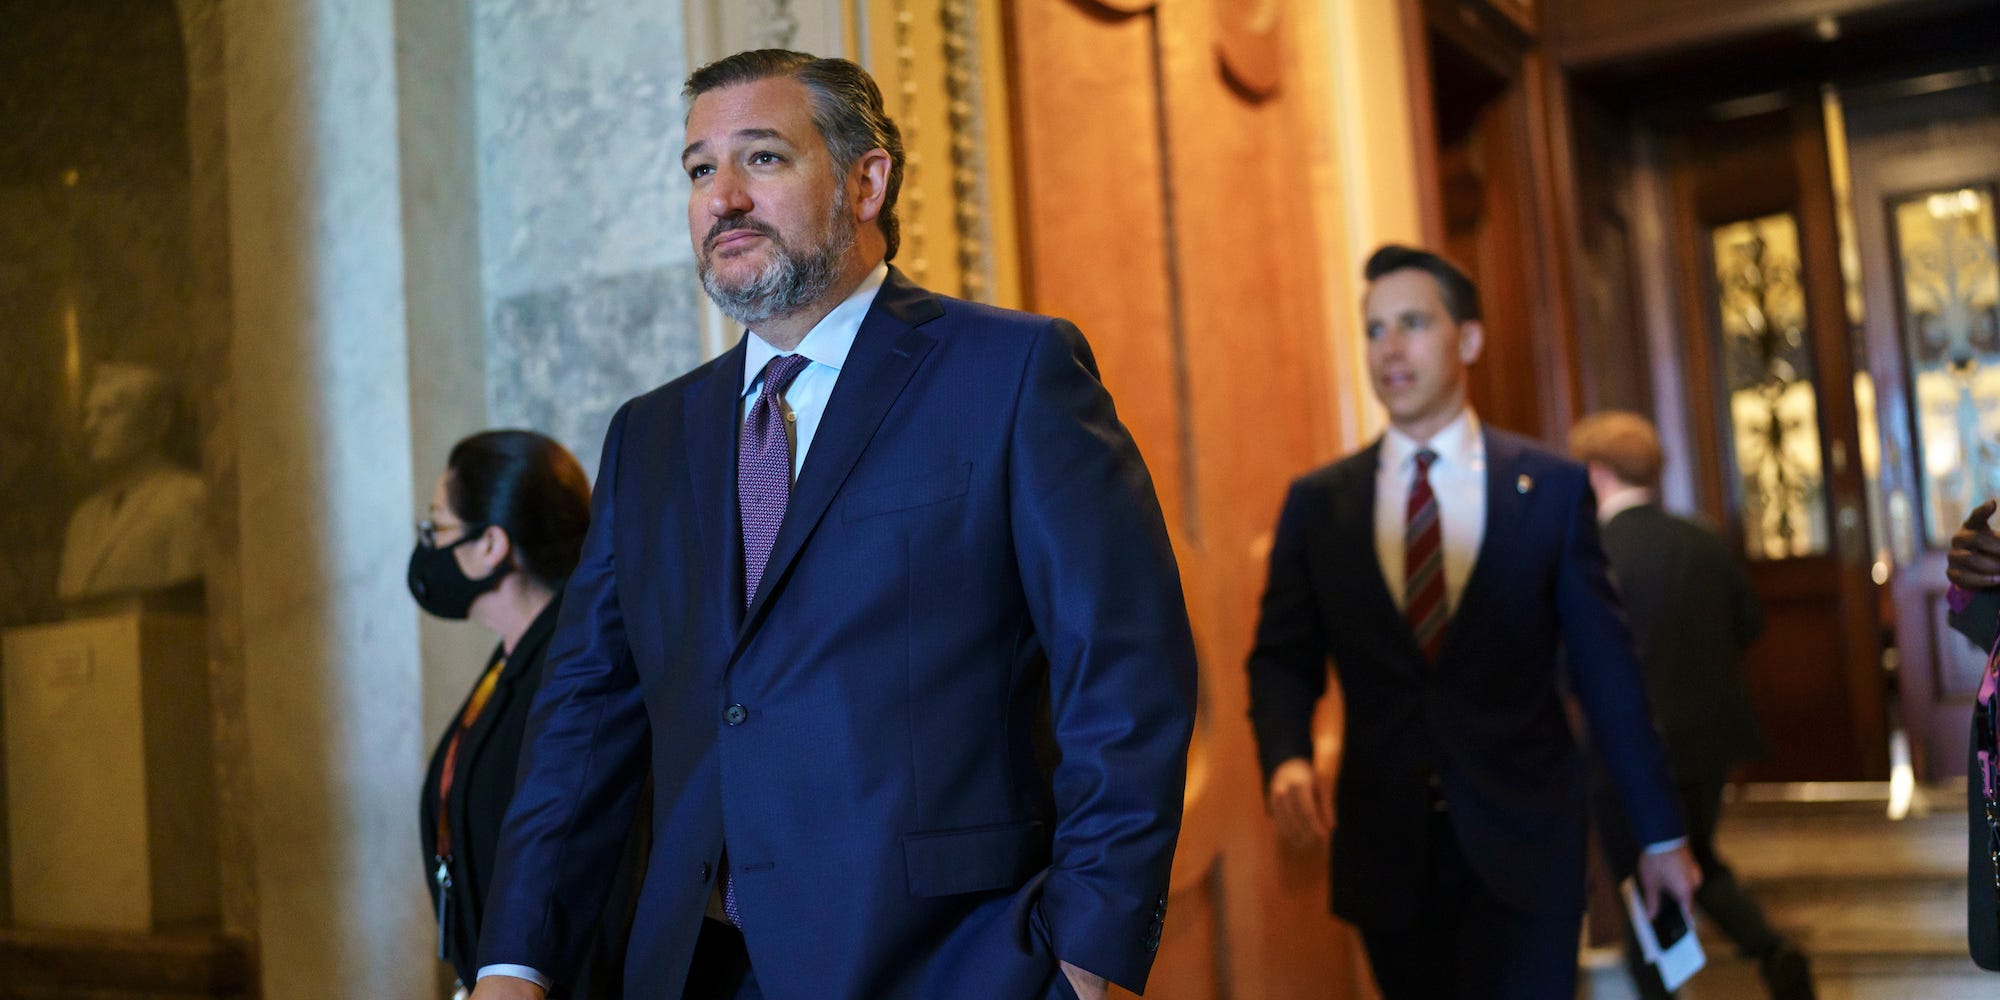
{"points": [[1773, 401], [1948, 284]]}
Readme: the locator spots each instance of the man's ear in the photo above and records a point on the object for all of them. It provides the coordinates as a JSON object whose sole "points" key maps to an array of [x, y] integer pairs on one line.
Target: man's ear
{"points": [[1471, 340], [868, 184], [1598, 474]]}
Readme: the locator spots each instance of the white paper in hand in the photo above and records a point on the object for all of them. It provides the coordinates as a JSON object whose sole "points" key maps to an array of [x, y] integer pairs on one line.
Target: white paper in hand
{"points": [[1677, 958]]}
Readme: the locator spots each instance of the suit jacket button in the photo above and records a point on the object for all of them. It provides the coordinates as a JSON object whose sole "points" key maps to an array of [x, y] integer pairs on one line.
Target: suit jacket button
{"points": [[706, 870], [735, 714]]}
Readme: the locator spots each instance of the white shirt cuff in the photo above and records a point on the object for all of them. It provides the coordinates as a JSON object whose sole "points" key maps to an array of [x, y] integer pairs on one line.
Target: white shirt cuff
{"points": [[1663, 847], [517, 971]]}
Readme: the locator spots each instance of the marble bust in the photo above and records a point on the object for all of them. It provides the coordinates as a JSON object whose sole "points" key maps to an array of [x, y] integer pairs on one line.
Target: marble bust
{"points": [[141, 531]]}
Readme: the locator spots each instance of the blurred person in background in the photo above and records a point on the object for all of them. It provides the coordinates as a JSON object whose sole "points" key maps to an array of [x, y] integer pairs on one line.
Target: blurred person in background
{"points": [[1693, 611], [506, 526], [1440, 569], [1973, 566]]}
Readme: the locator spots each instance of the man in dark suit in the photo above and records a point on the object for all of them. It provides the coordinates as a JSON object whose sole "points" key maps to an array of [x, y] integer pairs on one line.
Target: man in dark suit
{"points": [[888, 588], [1693, 612], [1440, 568]]}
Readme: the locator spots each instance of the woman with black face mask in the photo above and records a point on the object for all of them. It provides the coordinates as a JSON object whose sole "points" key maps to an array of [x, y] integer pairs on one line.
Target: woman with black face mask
{"points": [[506, 527]]}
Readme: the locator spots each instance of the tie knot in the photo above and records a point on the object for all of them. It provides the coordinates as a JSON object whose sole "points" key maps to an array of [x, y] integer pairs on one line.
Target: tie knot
{"points": [[780, 371], [1425, 457]]}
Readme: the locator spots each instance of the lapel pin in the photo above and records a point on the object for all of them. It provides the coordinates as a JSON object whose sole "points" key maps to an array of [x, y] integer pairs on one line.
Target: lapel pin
{"points": [[1524, 484]]}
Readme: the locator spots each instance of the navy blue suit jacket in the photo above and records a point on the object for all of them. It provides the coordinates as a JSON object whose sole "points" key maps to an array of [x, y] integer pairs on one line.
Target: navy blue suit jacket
{"points": [[1487, 719], [966, 683]]}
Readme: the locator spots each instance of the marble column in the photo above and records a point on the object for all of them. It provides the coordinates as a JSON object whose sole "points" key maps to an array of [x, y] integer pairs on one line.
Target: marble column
{"points": [[589, 278], [207, 250], [330, 643], [445, 305]]}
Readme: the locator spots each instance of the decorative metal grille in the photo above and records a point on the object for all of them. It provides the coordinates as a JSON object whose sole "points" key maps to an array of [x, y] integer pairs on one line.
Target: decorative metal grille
{"points": [[1773, 401], [1949, 284]]}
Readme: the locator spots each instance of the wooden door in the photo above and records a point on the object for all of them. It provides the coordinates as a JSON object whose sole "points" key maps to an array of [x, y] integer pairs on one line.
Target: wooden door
{"points": [[1925, 162], [1490, 209], [1773, 421], [1161, 211]]}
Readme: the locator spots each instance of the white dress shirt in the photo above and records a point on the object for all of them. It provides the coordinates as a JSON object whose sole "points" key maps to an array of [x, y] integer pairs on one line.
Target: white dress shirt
{"points": [[826, 344], [1458, 479]]}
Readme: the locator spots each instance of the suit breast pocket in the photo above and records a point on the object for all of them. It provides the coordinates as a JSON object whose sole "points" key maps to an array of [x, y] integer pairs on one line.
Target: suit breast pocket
{"points": [[905, 494]]}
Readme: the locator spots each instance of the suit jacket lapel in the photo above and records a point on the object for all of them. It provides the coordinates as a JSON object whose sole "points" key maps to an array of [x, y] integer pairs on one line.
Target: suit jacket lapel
{"points": [[887, 350], [472, 745], [1504, 505], [1358, 495], [712, 430]]}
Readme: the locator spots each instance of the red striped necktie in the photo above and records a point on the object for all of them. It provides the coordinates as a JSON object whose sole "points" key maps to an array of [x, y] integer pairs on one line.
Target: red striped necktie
{"points": [[1423, 561]]}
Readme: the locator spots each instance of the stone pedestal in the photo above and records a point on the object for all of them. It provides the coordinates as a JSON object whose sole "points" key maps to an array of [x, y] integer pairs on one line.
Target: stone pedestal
{"points": [[105, 965], [110, 787]]}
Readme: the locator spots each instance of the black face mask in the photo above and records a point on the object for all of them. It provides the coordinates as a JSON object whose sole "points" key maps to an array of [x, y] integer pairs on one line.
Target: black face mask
{"points": [[441, 586]]}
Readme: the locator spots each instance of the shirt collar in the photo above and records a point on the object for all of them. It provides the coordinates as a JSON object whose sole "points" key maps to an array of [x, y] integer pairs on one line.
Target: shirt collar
{"points": [[828, 342], [1458, 445], [1620, 500]]}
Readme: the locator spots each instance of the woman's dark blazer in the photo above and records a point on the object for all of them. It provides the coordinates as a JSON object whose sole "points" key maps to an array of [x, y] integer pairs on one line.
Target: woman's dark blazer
{"points": [[487, 758]]}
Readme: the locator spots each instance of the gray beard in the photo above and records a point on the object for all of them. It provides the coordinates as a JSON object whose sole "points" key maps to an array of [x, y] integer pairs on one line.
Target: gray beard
{"points": [[789, 281]]}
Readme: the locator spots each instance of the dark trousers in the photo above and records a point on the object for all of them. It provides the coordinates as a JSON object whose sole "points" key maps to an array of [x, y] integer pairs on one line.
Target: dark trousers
{"points": [[1721, 898], [1466, 943], [721, 967]]}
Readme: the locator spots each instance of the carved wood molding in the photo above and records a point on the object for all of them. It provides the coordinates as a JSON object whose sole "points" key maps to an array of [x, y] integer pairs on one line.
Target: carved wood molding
{"points": [[968, 166], [780, 26], [1248, 44], [912, 255], [1119, 6]]}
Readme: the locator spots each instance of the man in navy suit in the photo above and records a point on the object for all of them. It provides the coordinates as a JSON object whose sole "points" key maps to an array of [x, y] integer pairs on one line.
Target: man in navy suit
{"points": [[883, 596], [1440, 568]]}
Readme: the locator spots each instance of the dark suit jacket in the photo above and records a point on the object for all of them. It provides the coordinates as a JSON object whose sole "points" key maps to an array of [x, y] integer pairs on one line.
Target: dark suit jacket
{"points": [[1487, 718], [973, 557], [1979, 622], [1693, 612], [487, 758]]}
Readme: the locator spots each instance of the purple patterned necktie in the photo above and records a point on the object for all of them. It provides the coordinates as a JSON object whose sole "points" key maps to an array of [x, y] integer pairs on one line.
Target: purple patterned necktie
{"points": [[763, 489], [764, 469]]}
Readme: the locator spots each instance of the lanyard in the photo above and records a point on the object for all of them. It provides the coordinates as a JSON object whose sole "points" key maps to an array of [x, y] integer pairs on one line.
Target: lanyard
{"points": [[442, 874], [473, 706]]}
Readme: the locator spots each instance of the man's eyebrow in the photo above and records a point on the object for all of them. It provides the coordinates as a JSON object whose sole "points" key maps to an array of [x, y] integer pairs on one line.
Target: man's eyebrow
{"points": [[699, 145]]}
